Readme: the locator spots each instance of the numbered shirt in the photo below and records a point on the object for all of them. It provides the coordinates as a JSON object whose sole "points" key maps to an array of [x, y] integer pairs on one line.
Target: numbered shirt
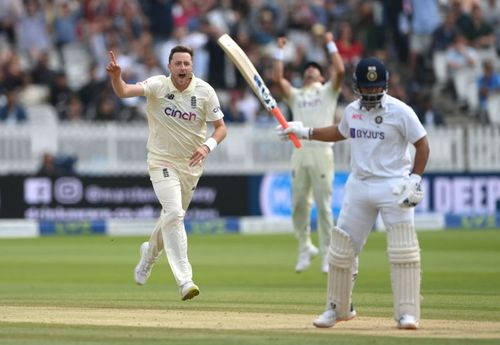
{"points": [[177, 120], [381, 137], [314, 106]]}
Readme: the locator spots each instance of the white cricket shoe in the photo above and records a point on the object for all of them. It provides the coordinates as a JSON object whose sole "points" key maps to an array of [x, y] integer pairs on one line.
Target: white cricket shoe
{"points": [[189, 290], [407, 321], [304, 259], [329, 318], [143, 268]]}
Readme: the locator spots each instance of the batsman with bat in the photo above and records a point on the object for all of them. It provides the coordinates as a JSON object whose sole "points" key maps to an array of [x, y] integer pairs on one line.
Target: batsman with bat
{"points": [[178, 109], [384, 180], [313, 167]]}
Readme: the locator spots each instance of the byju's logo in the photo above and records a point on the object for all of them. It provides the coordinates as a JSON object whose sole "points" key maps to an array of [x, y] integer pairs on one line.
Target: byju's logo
{"points": [[366, 134]]}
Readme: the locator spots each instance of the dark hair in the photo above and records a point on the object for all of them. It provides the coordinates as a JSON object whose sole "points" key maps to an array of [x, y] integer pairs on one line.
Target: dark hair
{"points": [[315, 65], [179, 49]]}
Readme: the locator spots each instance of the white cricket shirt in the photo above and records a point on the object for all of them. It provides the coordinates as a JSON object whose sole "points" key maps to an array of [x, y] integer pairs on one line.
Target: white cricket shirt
{"points": [[315, 107], [380, 138], [177, 120]]}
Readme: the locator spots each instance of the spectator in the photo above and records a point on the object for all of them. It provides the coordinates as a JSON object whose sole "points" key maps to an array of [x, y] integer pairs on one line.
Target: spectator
{"points": [[477, 30], [425, 19], [159, 13], [489, 83], [266, 23], [14, 74], [33, 37], [427, 114], [460, 57], [10, 12], [48, 166], [444, 35], [13, 111], [41, 73], [90, 93], [370, 30], [65, 25], [55, 166], [60, 94], [350, 49]]}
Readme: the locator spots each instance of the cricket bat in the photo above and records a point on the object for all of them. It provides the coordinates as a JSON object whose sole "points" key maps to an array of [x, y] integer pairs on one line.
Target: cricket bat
{"points": [[254, 80]]}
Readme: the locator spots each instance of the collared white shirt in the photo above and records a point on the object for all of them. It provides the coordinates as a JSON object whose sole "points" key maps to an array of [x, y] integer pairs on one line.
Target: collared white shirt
{"points": [[177, 120], [380, 138]]}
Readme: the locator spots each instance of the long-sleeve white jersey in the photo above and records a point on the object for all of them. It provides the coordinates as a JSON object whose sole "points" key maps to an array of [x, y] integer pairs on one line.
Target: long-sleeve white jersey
{"points": [[380, 138], [177, 120]]}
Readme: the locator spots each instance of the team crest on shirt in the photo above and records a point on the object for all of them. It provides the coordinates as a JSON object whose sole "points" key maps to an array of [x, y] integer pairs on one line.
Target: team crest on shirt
{"points": [[379, 119], [170, 96], [193, 101]]}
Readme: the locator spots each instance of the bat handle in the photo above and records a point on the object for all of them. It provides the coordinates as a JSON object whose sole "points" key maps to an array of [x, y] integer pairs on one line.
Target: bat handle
{"points": [[281, 119]]}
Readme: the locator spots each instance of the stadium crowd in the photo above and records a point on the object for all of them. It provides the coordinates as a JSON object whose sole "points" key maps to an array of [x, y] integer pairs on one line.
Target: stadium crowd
{"points": [[55, 51]]}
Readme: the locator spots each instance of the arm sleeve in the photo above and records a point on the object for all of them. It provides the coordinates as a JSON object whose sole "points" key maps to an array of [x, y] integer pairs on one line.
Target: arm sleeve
{"points": [[414, 130], [344, 125]]}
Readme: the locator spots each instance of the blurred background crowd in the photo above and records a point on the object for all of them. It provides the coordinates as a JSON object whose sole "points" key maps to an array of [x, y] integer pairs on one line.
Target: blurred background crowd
{"points": [[443, 55]]}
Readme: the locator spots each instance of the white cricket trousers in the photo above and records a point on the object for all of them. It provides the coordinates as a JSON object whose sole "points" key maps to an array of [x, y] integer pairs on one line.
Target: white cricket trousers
{"points": [[363, 201], [313, 174], [174, 190]]}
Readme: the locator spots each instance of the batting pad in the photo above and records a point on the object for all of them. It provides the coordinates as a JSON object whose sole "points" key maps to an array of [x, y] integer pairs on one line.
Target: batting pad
{"points": [[340, 282], [404, 256]]}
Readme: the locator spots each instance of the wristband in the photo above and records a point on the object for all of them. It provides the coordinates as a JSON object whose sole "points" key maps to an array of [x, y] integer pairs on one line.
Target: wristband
{"points": [[310, 134], [332, 47], [211, 143], [279, 54]]}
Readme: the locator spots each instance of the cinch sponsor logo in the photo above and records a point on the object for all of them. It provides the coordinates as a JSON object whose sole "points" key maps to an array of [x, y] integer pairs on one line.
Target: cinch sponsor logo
{"points": [[179, 114], [366, 134]]}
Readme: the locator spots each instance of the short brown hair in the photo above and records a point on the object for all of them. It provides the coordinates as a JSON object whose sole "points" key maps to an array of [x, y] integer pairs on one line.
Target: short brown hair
{"points": [[179, 49]]}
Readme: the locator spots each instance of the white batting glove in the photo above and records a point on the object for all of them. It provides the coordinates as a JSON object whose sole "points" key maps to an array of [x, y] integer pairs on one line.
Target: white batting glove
{"points": [[295, 127], [409, 191]]}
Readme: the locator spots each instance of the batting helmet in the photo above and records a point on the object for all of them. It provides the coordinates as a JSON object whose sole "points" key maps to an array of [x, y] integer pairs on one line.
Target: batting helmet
{"points": [[373, 78]]}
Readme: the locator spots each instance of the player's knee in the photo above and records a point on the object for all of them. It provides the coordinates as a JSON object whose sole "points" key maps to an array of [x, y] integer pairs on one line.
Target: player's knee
{"points": [[172, 216], [341, 252], [402, 244]]}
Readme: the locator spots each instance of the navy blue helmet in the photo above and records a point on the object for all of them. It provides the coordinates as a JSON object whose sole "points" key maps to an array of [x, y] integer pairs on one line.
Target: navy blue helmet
{"points": [[370, 74]]}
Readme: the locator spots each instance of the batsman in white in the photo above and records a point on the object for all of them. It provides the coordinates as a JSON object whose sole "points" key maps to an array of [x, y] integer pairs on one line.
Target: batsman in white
{"points": [[312, 166], [178, 109], [382, 180]]}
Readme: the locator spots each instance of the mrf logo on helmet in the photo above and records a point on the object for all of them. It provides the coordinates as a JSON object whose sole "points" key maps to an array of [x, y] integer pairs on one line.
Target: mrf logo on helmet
{"points": [[370, 82]]}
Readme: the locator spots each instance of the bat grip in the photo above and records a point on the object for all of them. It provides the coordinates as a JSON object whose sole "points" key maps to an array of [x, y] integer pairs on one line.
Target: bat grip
{"points": [[281, 119]]}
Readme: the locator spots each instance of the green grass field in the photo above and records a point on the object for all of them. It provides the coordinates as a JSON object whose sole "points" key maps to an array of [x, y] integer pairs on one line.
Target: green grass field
{"points": [[80, 290]]}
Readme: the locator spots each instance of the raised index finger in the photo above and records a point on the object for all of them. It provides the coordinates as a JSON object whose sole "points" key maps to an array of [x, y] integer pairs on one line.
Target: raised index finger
{"points": [[112, 56]]}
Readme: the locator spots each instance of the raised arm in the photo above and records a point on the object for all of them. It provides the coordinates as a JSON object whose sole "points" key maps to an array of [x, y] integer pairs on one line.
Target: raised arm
{"points": [[337, 73], [278, 68], [121, 88]]}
